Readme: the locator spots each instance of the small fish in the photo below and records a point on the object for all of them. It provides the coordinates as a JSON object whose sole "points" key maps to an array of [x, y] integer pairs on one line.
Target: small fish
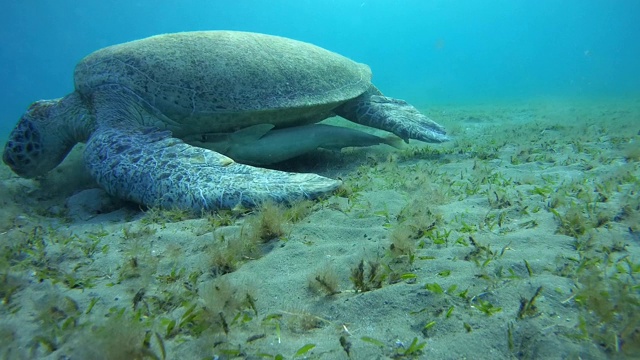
{"points": [[262, 145]]}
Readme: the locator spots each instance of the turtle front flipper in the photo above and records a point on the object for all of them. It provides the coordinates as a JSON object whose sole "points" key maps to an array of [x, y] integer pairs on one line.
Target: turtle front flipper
{"points": [[152, 168], [393, 115]]}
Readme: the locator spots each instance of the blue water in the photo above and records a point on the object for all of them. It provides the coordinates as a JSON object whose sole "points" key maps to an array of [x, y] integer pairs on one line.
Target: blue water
{"points": [[425, 51]]}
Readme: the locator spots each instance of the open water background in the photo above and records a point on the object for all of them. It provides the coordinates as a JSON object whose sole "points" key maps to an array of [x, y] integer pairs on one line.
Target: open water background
{"points": [[425, 51]]}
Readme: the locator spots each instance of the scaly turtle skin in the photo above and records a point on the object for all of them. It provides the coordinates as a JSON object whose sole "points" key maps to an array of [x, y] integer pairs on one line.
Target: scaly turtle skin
{"points": [[133, 103]]}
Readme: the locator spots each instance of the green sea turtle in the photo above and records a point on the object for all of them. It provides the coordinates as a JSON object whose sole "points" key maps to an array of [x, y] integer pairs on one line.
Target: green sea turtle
{"points": [[134, 102]]}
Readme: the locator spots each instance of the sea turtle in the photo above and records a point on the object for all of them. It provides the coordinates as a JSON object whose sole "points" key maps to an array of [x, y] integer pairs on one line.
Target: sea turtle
{"points": [[134, 102]]}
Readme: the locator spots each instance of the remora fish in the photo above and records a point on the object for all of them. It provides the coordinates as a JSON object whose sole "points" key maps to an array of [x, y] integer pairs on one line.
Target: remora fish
{"points": [[261, 145]]}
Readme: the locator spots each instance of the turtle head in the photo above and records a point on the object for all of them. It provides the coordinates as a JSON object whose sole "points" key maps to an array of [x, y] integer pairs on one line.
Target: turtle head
{"points": [[41, 139]]}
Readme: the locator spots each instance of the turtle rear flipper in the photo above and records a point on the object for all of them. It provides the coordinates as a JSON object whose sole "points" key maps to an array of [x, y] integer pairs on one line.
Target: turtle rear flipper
{"points": [[393, 115], [154, 169]]}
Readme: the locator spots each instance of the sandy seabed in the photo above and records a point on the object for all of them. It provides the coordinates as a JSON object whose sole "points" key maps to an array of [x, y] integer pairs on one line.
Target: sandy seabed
{"points": [[518, 239]]}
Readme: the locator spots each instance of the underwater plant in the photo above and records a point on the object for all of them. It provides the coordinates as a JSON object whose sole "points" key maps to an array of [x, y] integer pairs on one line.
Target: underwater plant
{"points": [[119, 337], [632, 151], [367, 277], [227, 253], [268, 222], [612, 308], [325, 280]]}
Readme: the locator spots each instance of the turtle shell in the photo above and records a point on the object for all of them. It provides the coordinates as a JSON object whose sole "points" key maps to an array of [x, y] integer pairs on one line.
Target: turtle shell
{"points": [[225, 80]]}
